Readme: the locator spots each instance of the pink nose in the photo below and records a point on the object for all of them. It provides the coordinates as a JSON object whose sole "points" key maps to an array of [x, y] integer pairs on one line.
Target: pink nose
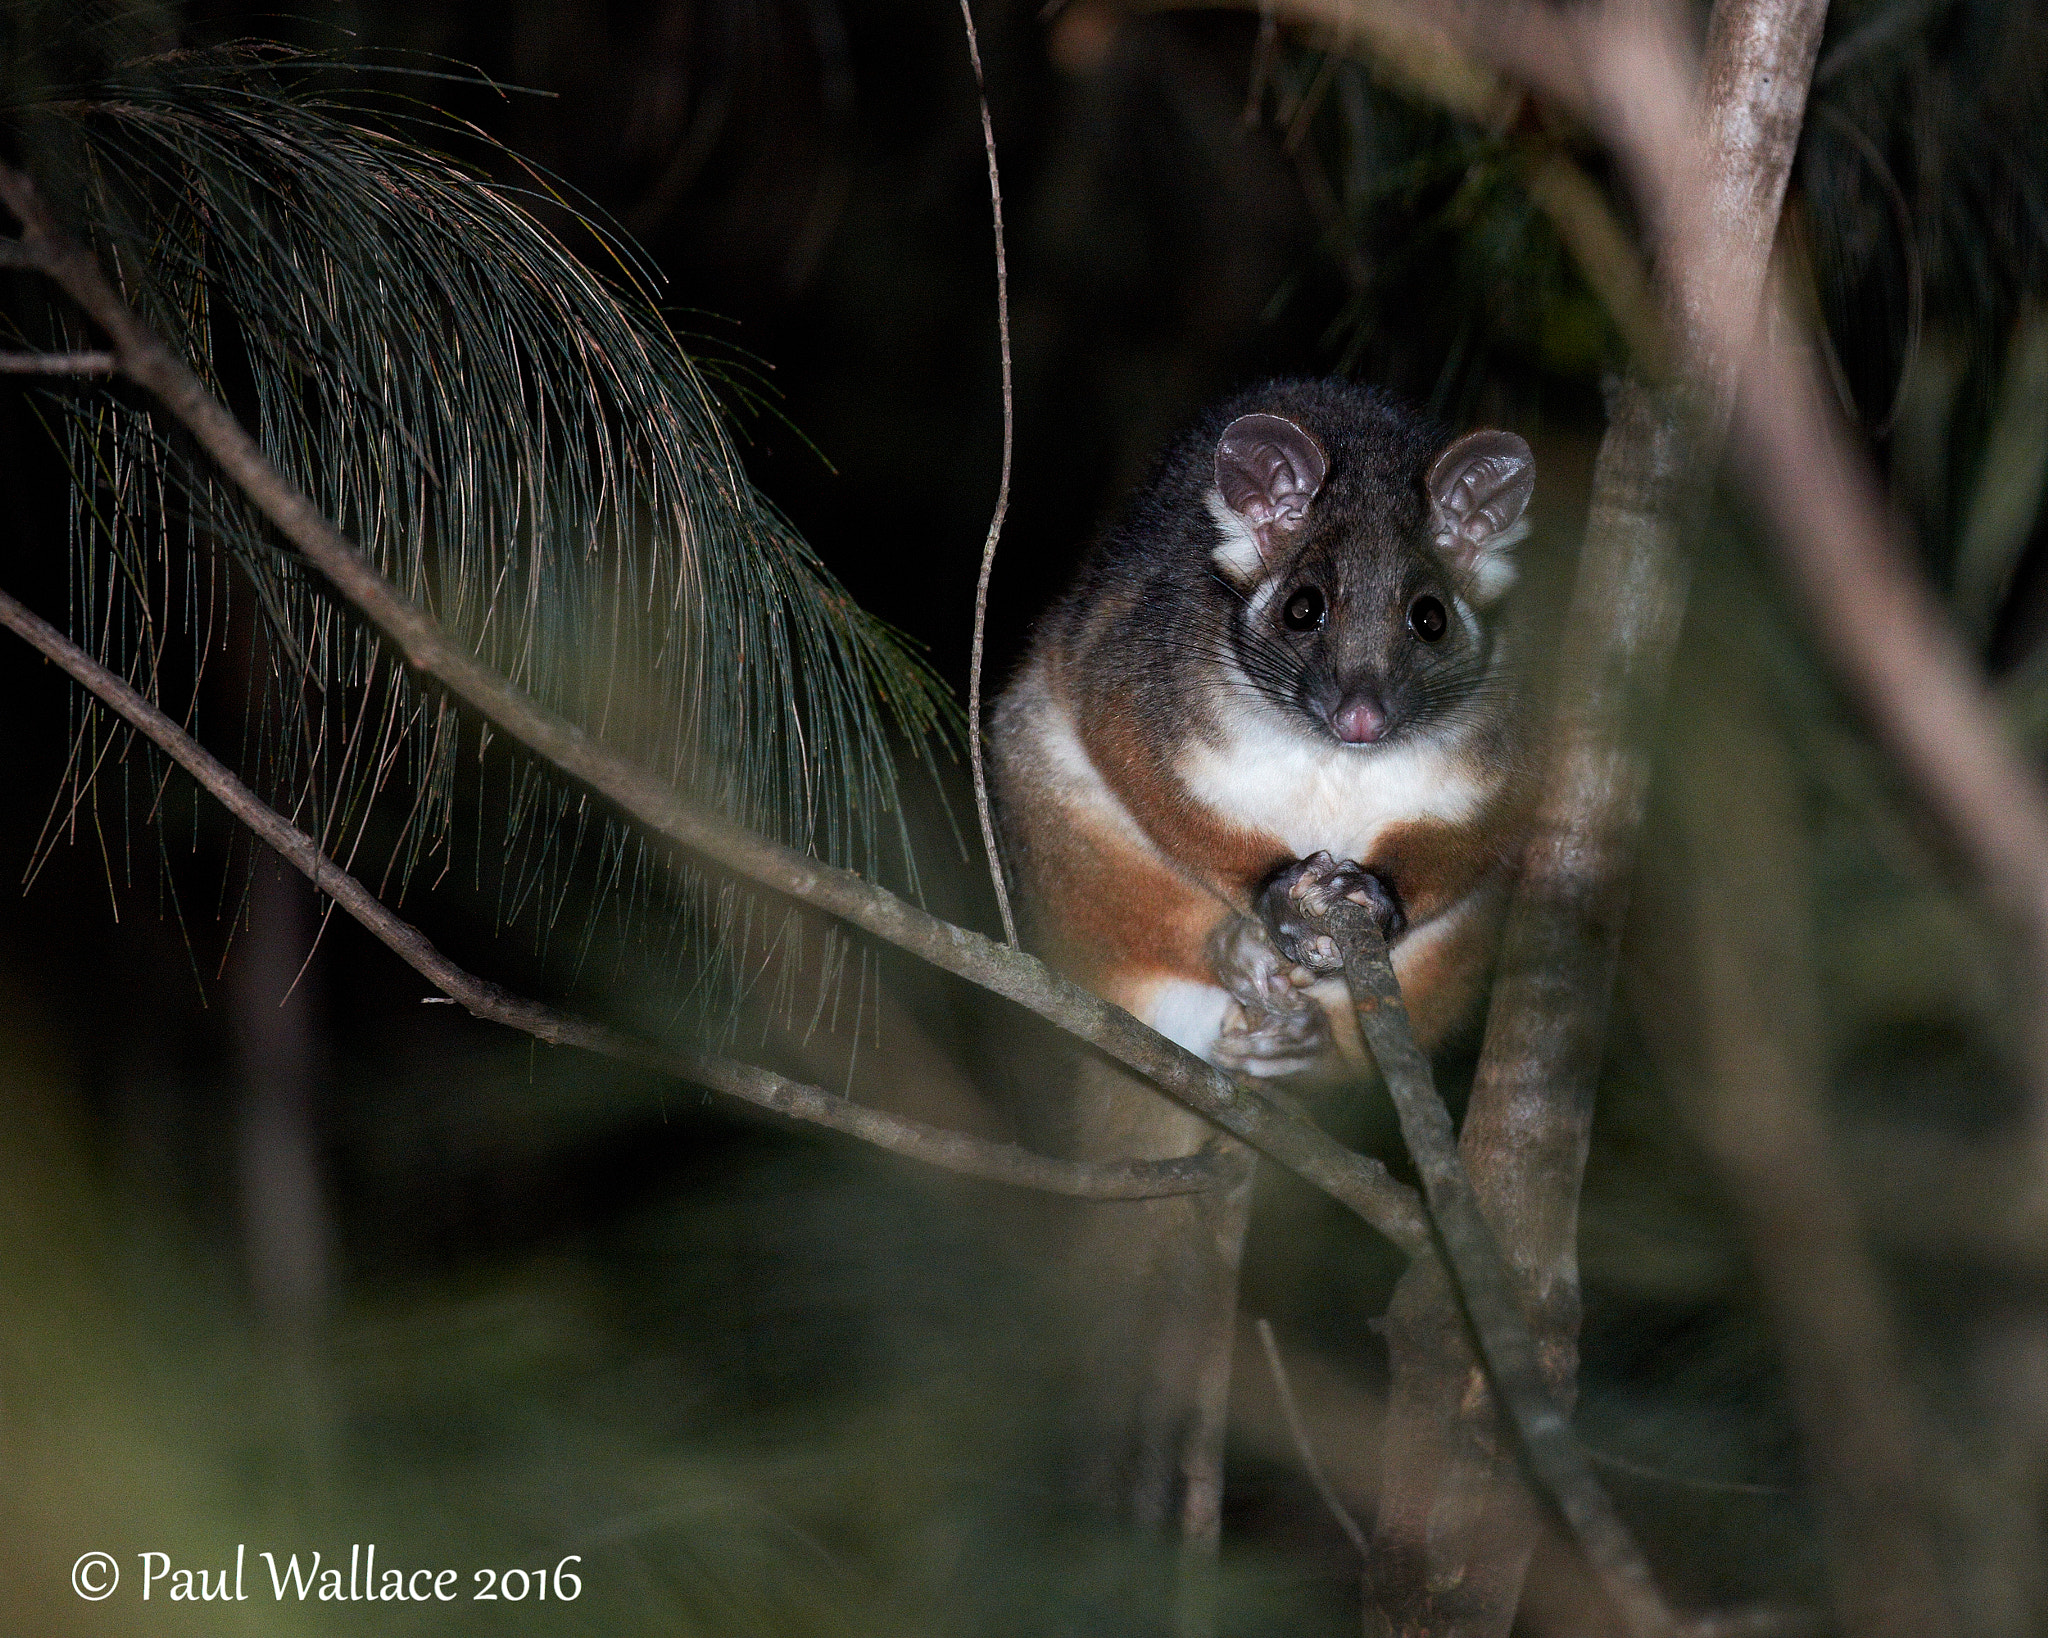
{"points": [[1360, 721]]}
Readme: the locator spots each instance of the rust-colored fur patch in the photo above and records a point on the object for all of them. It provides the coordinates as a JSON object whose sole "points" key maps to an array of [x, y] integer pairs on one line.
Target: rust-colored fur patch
{"points": [[1443, 978], [1119, 910], [1433, 864], [1229, 860]]}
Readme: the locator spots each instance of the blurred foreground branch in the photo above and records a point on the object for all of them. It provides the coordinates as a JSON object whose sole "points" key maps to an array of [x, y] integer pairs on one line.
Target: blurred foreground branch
{"points": [[951, 1151], [1750, 1086], [1456, 1527]]}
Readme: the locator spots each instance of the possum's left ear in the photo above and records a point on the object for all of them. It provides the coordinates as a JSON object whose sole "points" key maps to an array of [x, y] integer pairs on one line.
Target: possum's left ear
{"points": [[1479, 489]]}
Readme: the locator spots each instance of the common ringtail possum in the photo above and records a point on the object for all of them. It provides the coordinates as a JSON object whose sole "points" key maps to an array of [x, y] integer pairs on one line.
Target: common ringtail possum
{"points": [[1290, 645]]}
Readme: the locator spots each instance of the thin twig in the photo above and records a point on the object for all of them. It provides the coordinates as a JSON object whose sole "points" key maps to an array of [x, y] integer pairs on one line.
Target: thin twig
{"points": [[995, 527], [1302, 1448], [952, 1151], [1682, 1481], [1356, 1181], [57, 364], [1483, 1281]]}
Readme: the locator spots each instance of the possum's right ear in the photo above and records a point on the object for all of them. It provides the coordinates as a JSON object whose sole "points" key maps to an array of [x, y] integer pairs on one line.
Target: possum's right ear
{"points": [[1267, 471], [1479, 492]]}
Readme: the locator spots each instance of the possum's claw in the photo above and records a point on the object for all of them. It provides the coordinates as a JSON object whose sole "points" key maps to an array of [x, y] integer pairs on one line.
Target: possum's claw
{"points": [[1271, 1028], [1307, 888]]}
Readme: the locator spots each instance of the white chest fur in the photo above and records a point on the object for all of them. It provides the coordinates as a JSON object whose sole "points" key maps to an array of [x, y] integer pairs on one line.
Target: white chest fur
{"points": [[1044, 735], [1317, 795]]}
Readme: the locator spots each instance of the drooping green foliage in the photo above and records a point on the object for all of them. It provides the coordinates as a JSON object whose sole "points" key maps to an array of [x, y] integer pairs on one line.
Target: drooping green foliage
{"points": [[523, 445]]}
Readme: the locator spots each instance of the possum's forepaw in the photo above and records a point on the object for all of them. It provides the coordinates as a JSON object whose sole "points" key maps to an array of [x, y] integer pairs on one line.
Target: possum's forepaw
{"points": [[1306, 890], [1266, 1044], [1271, 1028], [1252, 969]]}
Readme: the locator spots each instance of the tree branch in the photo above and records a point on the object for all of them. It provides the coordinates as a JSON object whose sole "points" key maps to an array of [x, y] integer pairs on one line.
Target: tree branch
{"points": [[57, 364], [1455, 1527], [1356, 1181], [1483, 1282], [952, 1151], [1283, 1391]]}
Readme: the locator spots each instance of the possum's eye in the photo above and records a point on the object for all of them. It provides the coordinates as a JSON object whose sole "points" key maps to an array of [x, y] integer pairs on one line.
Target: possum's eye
{"points": [[1426, 618], [1305, 610]]}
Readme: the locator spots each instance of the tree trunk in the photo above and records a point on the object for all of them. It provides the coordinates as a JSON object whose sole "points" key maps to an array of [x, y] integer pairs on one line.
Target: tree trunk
{"points": [[1456, 1523]]}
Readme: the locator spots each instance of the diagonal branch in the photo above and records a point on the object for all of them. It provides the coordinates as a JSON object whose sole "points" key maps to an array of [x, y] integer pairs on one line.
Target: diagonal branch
{"points": [[951, 1151], [57, 364], [1356, 1181], [1484, 1284]]}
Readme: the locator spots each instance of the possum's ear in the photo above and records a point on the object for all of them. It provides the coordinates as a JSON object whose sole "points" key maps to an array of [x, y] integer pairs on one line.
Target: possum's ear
{"points": [[1267, 471], [1479, 490]]}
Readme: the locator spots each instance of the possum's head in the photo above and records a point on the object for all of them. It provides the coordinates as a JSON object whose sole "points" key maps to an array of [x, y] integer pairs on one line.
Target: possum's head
{"points": [[1367, 557]]}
